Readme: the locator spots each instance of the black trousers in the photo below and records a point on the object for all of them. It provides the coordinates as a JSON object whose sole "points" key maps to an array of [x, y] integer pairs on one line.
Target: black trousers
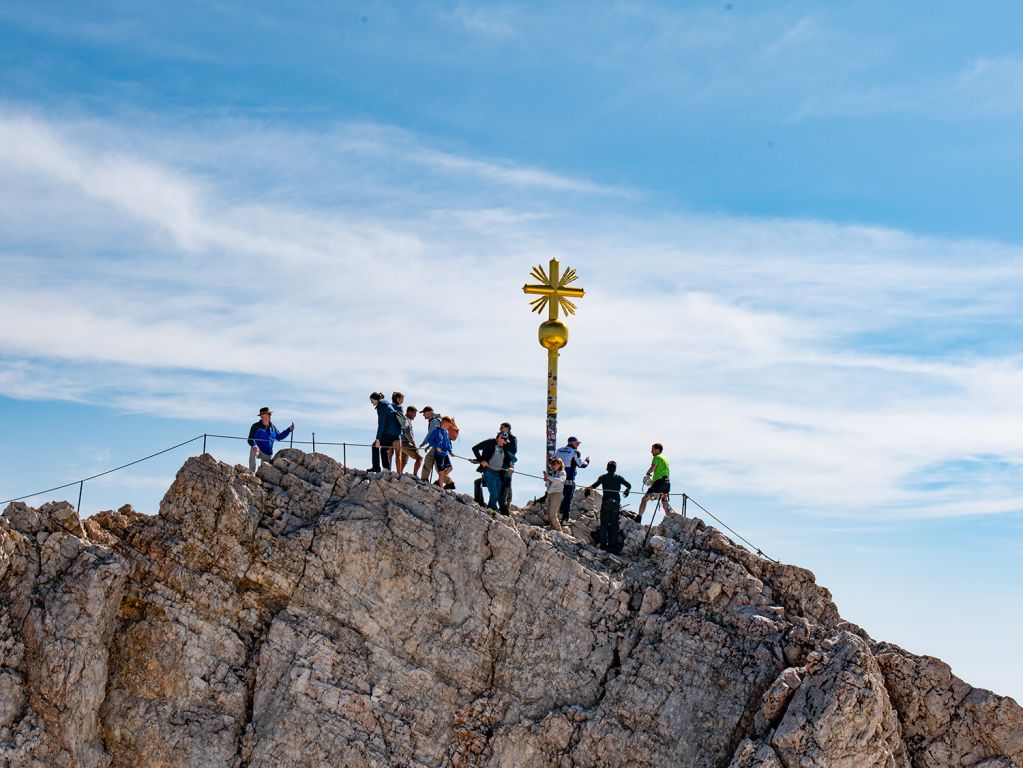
{"points": [[382, 455], [506, 495], [610, 510], [566, 501]]}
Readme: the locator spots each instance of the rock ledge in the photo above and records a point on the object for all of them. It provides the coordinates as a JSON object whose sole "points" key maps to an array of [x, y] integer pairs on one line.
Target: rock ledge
{"points": [[315, 616]]}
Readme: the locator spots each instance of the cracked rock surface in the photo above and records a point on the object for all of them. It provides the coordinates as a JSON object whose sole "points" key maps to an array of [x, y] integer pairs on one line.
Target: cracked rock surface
{"points": [[315, 616]]}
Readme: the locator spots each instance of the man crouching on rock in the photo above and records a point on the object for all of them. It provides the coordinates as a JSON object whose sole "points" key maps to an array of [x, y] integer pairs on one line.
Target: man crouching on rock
{"points": [[262, 435]]}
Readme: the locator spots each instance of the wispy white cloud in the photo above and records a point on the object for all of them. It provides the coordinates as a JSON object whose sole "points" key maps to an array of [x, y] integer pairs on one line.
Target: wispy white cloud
{"points": [[492, 20], [989, 85], [826, 367], [982, 87]]}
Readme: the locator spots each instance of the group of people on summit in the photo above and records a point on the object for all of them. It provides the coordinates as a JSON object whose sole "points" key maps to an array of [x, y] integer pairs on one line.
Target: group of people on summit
{"points": [[560, 481], [395, 443]]}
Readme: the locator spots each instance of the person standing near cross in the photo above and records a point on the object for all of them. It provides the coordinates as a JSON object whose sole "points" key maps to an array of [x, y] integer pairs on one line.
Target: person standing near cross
{"points": [[573, 461]]}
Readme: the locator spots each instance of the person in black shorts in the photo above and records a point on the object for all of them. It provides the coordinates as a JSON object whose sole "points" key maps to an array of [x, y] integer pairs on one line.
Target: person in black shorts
{"points": [[660, 485], [439, 440]]}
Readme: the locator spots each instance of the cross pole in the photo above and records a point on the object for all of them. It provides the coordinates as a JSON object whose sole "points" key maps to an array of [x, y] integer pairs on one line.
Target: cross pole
{"points": [[553, 291]]}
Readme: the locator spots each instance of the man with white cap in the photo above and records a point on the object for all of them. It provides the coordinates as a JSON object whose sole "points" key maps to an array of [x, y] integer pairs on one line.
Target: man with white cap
{"points": [[573, 461]]}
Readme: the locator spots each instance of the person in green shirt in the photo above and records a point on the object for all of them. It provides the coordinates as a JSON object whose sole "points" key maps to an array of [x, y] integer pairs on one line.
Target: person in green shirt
{"points": [[660, 483]]}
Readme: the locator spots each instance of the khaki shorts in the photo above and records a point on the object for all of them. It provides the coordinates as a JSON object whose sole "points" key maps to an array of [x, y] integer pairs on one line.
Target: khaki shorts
{"points": [[411, 451]]}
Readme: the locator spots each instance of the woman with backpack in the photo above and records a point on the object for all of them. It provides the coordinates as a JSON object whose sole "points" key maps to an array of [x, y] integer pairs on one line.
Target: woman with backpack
{"points": [[555, 480], [401, 420]]}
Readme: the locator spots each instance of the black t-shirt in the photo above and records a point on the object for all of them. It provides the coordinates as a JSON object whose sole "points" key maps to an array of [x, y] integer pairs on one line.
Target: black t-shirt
{"points": [[611, 483]]}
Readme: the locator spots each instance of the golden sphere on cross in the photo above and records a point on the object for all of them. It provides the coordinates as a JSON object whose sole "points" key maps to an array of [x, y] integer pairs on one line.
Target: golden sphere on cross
{"points": [[553, 334]]}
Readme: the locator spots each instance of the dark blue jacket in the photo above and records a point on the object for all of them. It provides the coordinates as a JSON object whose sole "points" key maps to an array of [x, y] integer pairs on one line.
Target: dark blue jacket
{"points": [[264, 436], [387, 421], [439, 440]]}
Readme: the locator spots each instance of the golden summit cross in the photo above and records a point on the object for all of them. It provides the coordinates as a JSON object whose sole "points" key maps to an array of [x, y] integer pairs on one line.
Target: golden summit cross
{"points": [[554, 291]]}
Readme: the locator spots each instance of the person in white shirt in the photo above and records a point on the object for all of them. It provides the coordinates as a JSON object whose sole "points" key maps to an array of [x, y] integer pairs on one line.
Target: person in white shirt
{"points": [[555, 480]]}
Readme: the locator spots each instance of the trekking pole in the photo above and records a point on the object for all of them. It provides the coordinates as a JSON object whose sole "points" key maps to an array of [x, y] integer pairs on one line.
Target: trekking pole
{"points": [[650, 525], [291, 443]]}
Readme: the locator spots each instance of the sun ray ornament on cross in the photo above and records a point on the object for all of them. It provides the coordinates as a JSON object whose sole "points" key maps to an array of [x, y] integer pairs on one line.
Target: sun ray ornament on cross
{"points": [[553, 291]]}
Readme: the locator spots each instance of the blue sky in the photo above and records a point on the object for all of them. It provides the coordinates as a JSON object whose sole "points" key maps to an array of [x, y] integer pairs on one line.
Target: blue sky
{"points": [[797, 226]]}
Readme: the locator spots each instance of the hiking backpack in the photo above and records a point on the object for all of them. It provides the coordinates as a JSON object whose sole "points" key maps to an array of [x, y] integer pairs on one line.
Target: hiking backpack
{"points": [[402, 418]]}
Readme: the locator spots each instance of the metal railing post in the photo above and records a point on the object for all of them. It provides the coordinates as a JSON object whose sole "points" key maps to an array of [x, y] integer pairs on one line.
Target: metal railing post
{"points": [[685, 498], [344, 454], [81, 485], [203, 443], [314, 442]]}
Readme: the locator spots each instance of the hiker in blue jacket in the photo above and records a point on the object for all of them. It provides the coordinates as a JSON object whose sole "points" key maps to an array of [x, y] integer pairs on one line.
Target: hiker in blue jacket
{"points": [[388, 439], [439, 440], [262, 435]]}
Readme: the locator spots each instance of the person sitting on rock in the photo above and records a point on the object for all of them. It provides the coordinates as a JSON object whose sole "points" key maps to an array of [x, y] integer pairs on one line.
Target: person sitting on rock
{"points": [[439, 440], [496, 461], [555, 481], [262, 435], [660, 484], [610, 506]]}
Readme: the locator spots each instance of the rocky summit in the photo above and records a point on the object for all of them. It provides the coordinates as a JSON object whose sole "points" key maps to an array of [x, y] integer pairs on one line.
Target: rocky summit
{"points": [[312, 615]]}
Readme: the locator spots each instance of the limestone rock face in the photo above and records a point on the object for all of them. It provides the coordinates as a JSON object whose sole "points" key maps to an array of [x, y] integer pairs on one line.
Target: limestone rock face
{"points": [[315, 616]]}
